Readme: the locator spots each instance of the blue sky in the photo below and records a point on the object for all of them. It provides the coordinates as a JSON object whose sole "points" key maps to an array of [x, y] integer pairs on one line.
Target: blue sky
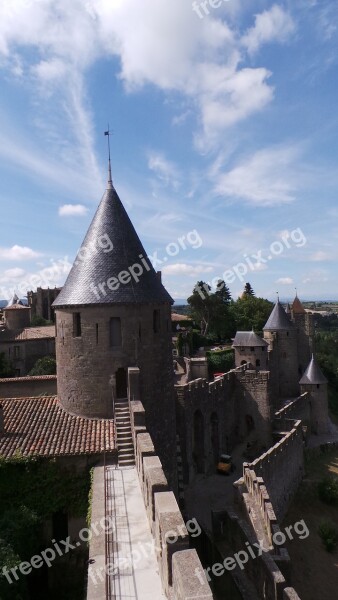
{"points": [[224, 132]]}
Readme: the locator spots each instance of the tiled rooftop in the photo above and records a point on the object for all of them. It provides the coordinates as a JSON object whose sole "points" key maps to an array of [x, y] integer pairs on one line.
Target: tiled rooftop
{"points": [[41, 427], [28, 378], [29, 333]]}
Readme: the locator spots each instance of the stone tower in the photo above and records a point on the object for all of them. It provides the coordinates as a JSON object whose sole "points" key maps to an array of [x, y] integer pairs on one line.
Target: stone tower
{"points": [[314, 382], [280, 333], [305, 333], [249, 347], [113, 313]]}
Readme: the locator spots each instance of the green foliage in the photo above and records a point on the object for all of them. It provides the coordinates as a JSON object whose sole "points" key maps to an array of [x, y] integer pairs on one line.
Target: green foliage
{"points": [[6, 369], [211, 309], [31, 490], [42, 486], [249, 312], [38, 321], [329, 535], [328, 490], [44, 366], [9, 559], [327, 356], [248, 291], [179, 344], [220, 362]]}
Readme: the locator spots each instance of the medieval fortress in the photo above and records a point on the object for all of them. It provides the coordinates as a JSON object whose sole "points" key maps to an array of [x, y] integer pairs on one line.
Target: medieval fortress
{"points": [[115, 363]]}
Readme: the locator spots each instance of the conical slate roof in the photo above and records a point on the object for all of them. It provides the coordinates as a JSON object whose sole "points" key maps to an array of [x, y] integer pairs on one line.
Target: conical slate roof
{"points": [[278, 319], [107, 259], [14, 300], [313, 374]]}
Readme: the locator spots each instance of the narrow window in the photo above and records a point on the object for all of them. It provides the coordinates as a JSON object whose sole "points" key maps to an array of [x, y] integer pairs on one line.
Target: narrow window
{"points": [[16, 351], [115, 332], [156, 321], [258, 363], [76, 324], [97, 333]]}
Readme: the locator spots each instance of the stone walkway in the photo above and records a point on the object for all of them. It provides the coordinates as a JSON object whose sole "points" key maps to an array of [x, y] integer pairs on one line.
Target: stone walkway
{"points": [[133, 569]]}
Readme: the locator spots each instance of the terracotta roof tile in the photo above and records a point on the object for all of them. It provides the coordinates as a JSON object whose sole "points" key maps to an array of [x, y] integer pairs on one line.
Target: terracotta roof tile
{"points": [[29, 333], [41, 427]]}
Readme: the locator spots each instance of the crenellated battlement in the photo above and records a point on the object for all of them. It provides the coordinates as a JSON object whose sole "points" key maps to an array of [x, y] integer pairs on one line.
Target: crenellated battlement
{"points": [[177, 563]]}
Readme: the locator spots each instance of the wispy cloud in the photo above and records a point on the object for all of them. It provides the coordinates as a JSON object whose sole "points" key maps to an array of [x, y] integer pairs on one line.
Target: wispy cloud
{"points": [[266, 178], [273, 25], [18, 253], [72, 210]]}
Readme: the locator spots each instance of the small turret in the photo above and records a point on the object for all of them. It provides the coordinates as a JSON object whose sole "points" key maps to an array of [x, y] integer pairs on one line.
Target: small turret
{"points": [[315, 383]]}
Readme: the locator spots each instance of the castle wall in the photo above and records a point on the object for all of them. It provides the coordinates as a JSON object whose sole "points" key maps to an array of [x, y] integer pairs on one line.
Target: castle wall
{"points": [[297, 409], [218, 410], [19, 387], [177, 563], [282, 469], [263, 572]]}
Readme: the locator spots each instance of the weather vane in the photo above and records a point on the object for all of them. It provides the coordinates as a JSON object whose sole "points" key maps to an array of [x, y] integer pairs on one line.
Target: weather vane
{"points": [[108, 133]]}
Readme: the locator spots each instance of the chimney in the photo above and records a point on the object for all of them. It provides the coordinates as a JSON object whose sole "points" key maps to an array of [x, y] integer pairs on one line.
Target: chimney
{"points": [[159, 275], [2, 421]]}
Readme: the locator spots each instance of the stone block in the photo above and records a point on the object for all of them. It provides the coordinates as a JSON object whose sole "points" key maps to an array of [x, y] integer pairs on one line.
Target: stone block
{"points": [[189, 580]]}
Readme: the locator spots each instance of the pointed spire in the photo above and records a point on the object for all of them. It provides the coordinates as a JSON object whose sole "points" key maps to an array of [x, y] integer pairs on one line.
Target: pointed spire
{"points": [[108, 133], [313, 374], [278, 319], [297, 307]]}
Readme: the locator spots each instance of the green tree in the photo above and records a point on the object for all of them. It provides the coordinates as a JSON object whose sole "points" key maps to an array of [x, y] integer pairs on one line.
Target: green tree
{"points": [[6, 369], [38, 321], [249, 312], [44, 366], [248, 291], [200, 303]]}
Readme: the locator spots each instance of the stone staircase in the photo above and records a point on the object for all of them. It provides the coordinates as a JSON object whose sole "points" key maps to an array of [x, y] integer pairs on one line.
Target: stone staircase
{"points": [[123, 434]]}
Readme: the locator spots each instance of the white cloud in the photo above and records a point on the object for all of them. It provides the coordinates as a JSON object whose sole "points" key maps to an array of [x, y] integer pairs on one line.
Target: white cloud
{"points": [[273, 25], [157, 42], [185, 269], [165, 170], [285, 280], [18, 253], [14, 273], [320, 256], [266, 178], [71, 210]]}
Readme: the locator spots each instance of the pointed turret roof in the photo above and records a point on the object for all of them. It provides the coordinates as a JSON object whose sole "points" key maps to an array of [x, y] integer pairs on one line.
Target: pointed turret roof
{"points": [[297, 307], [110, 249], [313, 374], [278, 319], [13, 301]]}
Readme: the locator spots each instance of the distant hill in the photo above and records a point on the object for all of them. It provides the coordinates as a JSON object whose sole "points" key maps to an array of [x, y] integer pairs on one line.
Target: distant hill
{"points": [[4, 303]]}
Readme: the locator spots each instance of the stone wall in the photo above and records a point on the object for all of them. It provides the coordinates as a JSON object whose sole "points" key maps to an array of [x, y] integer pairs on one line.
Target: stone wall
{"points": [[262, 571], [256, 405], [29, 387], [297, 409], [282, 468], [89, 368], [177, 563]]}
